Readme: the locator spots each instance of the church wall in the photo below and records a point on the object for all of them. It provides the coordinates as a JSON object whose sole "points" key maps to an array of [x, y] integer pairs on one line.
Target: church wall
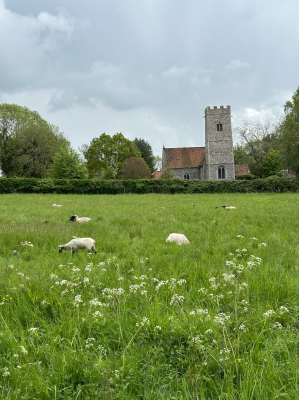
{"points": [[180, 172], [219, 143]]}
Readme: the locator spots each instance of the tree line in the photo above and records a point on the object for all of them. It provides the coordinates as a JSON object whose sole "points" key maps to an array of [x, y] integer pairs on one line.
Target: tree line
{"points": [[267, 149], [31, 147]]}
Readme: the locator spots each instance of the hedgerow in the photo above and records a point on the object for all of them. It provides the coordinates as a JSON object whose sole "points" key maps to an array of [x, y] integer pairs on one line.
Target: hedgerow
{"points": [[143, 186]]}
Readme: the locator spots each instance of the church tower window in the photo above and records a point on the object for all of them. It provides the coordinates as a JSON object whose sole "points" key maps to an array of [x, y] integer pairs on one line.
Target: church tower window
{"points": [[219, 127], [186, 176], [221, 173]]}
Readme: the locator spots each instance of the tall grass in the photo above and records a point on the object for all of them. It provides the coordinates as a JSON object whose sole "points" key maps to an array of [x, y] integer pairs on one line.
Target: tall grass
{"points": [[146, 319]]}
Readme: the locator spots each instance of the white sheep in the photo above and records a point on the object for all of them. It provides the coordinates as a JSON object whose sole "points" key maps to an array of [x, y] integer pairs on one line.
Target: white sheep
{"points": [[75, 218], [79, 243], [228, 208], [178, 238], [57, 205]]}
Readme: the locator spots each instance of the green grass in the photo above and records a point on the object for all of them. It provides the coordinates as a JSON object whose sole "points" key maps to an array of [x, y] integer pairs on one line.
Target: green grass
{"points": [[215, 339]]}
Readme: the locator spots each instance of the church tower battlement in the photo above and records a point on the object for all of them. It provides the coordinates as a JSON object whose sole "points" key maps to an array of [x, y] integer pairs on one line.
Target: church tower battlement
{"points": [[219, 153]]}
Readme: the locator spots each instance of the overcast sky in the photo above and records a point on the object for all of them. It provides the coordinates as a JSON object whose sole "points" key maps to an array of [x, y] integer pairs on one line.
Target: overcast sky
{"points": [[148, 68]]}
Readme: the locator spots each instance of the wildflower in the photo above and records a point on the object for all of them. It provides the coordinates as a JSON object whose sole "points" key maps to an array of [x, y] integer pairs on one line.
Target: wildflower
{"points": [[143, 292], [176, 299], [120, 278], [244, 250], [198, 342], [181, 281], [86, 280], [23, 350], [64, 292], [203, 290], [269, 313], [76, 269], [278, 325], [32, 329], [101, 349], [18, 366], [11, 266], [209, 331], [244, 284], [87, 269], [88, 342], [242, 328], [253, 238], [16, 355], [240, 236], [225, 350], [262, 245], [144, 321], [113, 292], [95, 302], [221, 318], [20, 273], [171, 318], [78, 299], [6, 372], [283, 309], [157, 328], [53, 276]]}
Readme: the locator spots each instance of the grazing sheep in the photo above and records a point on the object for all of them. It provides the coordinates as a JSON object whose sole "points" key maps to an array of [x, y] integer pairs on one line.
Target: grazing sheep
{"points": [[57, 205], [178, 238], [79, 243], [75, 218], [228, 208]]}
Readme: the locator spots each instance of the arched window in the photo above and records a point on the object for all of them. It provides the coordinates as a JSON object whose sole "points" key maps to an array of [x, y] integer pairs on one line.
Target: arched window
{"points": [[219, 127], [221, 173], [186, 176]]}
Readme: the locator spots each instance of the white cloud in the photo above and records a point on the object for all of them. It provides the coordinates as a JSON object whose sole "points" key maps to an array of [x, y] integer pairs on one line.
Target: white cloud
{"points": [[237, 64]]}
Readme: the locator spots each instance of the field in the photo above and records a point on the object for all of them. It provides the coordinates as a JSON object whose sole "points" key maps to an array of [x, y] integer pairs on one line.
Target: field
{"points": [[146, 319]]}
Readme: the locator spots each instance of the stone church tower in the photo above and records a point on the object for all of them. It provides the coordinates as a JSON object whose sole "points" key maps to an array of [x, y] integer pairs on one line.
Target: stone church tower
{"points": [[219, 154]]}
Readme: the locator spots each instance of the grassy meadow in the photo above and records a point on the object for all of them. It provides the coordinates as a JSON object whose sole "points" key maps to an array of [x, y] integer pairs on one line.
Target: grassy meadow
{"points": [[146, 319]]}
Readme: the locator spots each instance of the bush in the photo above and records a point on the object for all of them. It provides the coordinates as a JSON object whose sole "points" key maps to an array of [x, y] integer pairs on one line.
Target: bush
{"points": [[245, 177], [94, 186]]}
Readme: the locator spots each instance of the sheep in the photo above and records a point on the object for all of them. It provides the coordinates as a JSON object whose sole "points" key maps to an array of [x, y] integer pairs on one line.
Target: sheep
{"points": [[16, 253], [57, 205], [75, 218], [178, 238], [228, 208], [79, 243]]}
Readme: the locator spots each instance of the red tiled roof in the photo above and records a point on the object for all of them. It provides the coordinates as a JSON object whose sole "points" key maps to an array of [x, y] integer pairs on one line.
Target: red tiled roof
{"points": [[241, 170], [156, 174], [291, 174], [185, 157]]}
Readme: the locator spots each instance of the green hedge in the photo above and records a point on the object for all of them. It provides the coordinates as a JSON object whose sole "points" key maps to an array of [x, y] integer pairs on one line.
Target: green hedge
{"points": [[90, 186]]}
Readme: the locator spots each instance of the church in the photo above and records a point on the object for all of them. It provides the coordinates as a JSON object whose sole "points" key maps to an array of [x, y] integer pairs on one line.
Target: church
{"points": [[215, 161]]}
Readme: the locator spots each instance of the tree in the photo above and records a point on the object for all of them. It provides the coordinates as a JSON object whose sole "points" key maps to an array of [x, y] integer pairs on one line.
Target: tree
{"points": [[107, 152], [67, 165], [288, 130], [13, 119], [257, 139], [146, 152], [167, 174], [28, 143], [34, 149], [271, 164], [135, 168], [157, 163]]}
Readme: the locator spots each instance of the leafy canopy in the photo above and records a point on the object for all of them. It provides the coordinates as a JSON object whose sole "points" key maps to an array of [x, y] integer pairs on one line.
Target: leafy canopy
{"points": [[146, 152], [289, 133], [106, 152], [67, 165], [28, 143], [135, 168]]}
